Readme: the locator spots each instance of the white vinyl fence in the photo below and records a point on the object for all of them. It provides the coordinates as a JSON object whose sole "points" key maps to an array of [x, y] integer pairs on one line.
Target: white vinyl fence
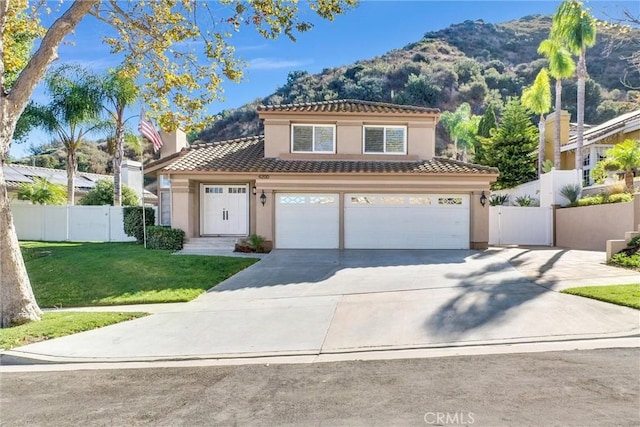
{"points": [[69, 223], [514, 225]]}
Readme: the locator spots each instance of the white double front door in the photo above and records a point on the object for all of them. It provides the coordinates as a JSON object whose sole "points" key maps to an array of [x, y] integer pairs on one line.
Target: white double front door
{"points": [[224, 210]]}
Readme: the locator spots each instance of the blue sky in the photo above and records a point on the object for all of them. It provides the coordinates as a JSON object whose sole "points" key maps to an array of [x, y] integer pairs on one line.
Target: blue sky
{"points": [[373, 28]]}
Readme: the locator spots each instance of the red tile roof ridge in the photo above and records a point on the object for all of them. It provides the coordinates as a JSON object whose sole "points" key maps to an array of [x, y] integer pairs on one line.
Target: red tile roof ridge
{"points": [[334, 102]]}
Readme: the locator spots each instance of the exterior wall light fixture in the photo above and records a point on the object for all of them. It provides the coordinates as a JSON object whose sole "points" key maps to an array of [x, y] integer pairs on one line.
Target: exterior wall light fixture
{"points": [[263, 198], [483, 198]]}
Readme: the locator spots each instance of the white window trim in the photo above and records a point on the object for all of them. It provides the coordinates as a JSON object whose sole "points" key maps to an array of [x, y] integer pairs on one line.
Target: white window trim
{"points": [[403, 153], [314, 125]]}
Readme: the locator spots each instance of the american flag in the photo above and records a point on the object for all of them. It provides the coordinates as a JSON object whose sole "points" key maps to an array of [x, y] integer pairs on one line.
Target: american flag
{"points": [[149, 131]]}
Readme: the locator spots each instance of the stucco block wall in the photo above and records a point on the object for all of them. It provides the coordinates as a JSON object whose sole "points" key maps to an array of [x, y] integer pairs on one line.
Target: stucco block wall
{"points": [[421, 137], [479, 236], [589, 227], [184, 207]]}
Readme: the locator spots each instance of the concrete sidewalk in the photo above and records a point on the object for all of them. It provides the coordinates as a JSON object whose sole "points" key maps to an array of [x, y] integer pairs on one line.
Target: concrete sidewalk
{"points": [[295, 303]]}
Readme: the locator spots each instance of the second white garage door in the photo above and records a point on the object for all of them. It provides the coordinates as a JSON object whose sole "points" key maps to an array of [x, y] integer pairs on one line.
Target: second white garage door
{"points": [[406, 221], [309, 221]]}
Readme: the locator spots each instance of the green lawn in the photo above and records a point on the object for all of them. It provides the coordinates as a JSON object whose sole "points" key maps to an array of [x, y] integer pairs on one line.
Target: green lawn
{"points": [[85, 274], [627, 295], [54, 325]]}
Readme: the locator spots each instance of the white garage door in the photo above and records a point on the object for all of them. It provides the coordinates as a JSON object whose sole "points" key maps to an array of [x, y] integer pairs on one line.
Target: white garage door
{"points": [[307, 221], [406, 221]]}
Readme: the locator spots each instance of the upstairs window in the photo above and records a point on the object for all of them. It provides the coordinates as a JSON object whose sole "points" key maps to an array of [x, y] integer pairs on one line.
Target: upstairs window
{"points": [[313, 139], [385, 139]]}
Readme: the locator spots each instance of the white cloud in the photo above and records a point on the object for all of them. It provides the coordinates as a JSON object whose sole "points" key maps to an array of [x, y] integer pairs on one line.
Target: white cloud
{"points": [[274, 63], [97, 65]]}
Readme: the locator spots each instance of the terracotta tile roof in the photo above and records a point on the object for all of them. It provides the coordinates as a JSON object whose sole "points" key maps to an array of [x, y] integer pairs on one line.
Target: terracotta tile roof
{"points": [[247, 155], [348, 106]]}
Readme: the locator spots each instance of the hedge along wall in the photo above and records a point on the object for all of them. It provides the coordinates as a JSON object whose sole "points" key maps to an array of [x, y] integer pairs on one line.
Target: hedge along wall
{"points": [[589, 227]]}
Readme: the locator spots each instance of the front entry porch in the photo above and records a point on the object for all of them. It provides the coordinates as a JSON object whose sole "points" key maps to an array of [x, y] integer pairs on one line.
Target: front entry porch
{"points": [[224, 210]]}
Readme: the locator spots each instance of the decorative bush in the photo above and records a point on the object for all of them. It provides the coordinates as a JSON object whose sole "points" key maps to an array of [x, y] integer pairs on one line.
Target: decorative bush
{"points": [[627, 261], [165, 238], [620, 198], [526, 201], [601, 199], [133, 221], [572, 193], [253, 243], [499, 200]]}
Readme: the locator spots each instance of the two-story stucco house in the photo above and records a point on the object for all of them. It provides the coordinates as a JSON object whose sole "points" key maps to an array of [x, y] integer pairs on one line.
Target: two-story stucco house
{"points": [[336, 174], [596, 140]]}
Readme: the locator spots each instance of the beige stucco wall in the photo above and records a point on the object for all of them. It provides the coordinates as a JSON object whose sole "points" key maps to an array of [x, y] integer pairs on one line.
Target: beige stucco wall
{"points": [[184, 203], [349, 135], [549, 132], [589, 227], [186, 194]]}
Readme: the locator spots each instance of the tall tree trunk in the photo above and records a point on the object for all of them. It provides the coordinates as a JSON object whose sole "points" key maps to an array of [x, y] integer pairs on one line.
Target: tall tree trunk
{"points": [[17, 302], [72, 167], [118, 154], [628, 181], [541, 129], [558, 116], [582, 76]]}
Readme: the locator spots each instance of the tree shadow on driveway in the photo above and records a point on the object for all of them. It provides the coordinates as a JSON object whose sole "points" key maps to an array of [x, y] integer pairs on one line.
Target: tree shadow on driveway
{"points": [[304, 267], [485, 299]]}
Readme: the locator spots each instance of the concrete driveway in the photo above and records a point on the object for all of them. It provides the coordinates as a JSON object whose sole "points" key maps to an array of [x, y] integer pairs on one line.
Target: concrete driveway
{"points": [[312, 302]]}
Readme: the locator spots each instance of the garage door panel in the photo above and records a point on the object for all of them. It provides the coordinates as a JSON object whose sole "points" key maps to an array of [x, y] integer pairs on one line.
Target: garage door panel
{"points": [[423, 221], [307, 221]]}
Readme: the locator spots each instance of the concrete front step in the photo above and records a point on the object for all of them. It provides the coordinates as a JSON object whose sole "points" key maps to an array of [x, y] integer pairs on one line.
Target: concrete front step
{"points": [[206, 243]]}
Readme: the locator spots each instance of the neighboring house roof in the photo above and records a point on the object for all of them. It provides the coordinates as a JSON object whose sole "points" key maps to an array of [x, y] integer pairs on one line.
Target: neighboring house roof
{"points": [[16, 174], [348, 106], [247, 155], [625, 123]]}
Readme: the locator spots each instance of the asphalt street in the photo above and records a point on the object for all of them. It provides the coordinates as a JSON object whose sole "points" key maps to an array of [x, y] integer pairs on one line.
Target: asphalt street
{"points": [[571, 388]]}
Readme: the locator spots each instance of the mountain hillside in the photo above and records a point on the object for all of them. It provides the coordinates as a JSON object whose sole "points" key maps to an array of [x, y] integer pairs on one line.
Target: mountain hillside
{"points": [[474, 62]]}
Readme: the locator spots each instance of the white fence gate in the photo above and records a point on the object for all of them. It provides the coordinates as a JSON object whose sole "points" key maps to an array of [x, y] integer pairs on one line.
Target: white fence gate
{"points": [[515, 225], [69, 223]]}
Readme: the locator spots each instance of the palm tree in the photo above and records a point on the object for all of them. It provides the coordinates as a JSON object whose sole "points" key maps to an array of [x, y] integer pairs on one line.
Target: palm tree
{"points": [[561, 66], [462, 127], [627, 153], [120, 92], [74, 110], [575, 28], [537, 98]]}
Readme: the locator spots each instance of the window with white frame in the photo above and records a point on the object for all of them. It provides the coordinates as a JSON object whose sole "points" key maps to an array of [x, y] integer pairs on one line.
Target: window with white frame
{"points": [[385, 139], [313, 138], [164, 181], [586, 167]]}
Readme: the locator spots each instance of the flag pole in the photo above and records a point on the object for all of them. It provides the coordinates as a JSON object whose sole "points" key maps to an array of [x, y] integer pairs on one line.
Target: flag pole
{"points": [[149, 132], [144, 210]]}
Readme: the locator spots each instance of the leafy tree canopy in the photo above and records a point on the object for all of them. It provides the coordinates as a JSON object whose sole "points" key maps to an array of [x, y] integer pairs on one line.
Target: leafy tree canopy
{"points": [[513, 146], [102, 194], [42, 192]]}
